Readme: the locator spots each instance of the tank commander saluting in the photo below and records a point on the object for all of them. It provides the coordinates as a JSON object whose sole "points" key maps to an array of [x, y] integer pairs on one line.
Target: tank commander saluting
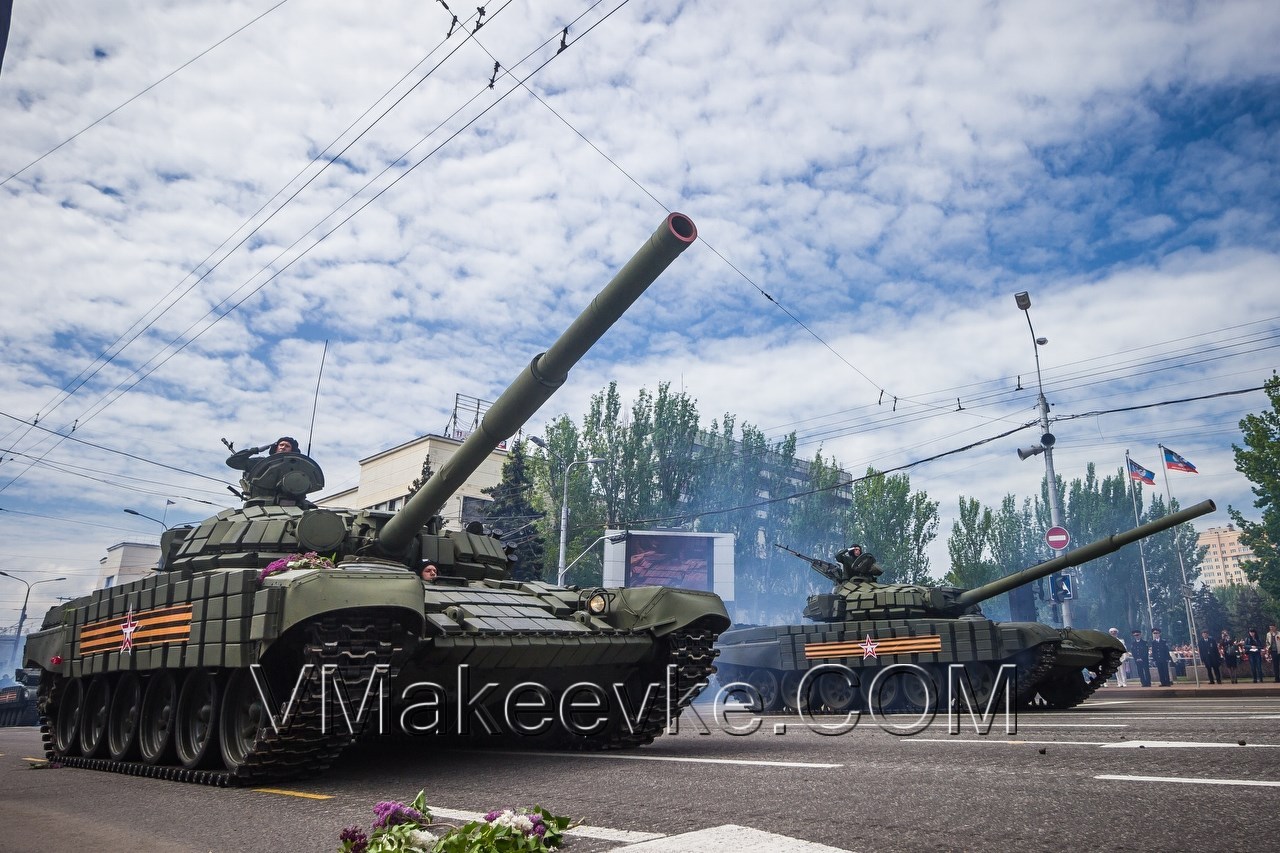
{"points": [[857, 563], [240, 459]]}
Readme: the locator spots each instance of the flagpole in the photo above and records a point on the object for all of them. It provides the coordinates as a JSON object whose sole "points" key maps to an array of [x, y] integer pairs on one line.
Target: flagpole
{"points": [[1186, 598], [1142, 548]]}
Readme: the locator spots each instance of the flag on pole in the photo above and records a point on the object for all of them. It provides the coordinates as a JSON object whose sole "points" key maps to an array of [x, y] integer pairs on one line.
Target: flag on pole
{"points": [[169, 503], [1174, 462], [1142, 475]]}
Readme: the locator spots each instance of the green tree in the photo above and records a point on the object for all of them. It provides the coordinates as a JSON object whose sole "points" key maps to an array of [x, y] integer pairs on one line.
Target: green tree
{"points": [[1014, 546], [422, 477], [969, 546], [513, 515], [1259, 461], [1210, 613], [895, 524], [970, 550]]}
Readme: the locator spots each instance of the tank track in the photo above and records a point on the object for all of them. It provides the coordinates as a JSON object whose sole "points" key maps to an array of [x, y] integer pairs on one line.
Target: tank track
{"points": [[693, 653], [1032, 677], [302, 746], [1072, 688]]}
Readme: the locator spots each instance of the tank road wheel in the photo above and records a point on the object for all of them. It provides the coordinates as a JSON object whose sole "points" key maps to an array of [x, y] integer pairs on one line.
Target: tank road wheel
{"points": [[765, 682], [916, 694], [791, 689], [93, 720], [982, 681], [122, 722], [242, 716], [837, 691], [67, 725], [883, 694], [195, 729], [156, 722]]}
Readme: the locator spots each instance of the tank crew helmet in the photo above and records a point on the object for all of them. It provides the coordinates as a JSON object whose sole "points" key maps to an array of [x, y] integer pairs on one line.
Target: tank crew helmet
{"points": [[293, 442]]}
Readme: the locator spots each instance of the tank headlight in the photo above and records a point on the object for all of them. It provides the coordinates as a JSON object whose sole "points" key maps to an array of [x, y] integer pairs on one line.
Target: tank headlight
{"points": [[598, 603]]}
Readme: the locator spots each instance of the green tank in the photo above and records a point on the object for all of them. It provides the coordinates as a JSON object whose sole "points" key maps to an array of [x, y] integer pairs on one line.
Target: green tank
{"points": [[18, 699], [847, 657], [220, 670]]}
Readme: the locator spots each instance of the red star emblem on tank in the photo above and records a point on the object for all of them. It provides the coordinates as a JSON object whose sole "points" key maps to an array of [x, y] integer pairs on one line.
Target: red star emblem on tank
{"points": [[868, 647], [127, 627]]}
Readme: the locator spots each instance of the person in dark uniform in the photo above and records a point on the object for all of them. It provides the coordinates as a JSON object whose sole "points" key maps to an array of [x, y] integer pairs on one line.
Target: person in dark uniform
{"points": [[1160, 657], [1211, 657], [1253, 648], [241, 461], [1230, 654], [1141, 652]]}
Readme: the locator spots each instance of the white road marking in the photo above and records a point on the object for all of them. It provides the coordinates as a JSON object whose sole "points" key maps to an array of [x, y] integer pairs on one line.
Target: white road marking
{"points": [[1124, 744], [1254, 783], [603, 833], [676, 758], [985, 740], [740, 839], [1073, 725], [1183, 744]]}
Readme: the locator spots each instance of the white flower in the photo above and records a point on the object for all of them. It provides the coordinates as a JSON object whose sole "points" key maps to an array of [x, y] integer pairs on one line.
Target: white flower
{"points": [[515, 821], [421, 840]]}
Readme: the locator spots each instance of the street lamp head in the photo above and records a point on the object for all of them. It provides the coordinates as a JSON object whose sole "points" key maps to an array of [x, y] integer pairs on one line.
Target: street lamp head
{"points": [[538, 441], [1023, 299], [1042, 341], [133, 512], [595, 460]]}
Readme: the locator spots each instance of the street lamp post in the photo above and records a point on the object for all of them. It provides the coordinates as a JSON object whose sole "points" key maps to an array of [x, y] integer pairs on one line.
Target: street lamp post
{"points": [[564, 501], [564, 513], [22, 615], [147, 517], [1047, 440], [616, 537]]}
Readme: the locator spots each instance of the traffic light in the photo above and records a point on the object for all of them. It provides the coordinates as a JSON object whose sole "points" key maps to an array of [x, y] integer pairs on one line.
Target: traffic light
{"points": [[1062, 588]]}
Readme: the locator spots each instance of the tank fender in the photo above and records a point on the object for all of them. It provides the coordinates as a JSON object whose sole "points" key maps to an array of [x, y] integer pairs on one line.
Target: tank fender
{"points": [[45, 646], [1014, 635], [663, 610], [312, 592], [1088, 638], [757, 653]]}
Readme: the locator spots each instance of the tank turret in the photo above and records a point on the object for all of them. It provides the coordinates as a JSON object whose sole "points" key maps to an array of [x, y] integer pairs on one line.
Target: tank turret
{"points": [[223, 667], [863, 627]]}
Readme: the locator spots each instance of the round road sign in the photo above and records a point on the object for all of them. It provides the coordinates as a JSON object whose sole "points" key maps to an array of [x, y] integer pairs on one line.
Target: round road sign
{"points": [[1057, 537]]}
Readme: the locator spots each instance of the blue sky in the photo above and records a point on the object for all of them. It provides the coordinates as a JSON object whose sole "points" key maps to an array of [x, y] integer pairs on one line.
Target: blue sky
{"points": [[890, 174]]}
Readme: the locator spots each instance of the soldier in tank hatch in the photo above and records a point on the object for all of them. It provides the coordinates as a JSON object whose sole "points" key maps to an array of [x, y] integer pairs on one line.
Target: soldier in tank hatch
{"points": [[241, 461], [858, 563]]}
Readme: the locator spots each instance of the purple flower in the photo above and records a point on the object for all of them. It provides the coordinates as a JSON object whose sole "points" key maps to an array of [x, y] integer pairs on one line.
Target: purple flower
{"points": [[493, 815], [392, 814], [273, 567], [354, 836], [539, 829]]}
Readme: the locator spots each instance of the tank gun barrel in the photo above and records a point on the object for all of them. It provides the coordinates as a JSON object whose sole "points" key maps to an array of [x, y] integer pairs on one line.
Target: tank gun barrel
{"points": [[544, 375], [830, 571], [1083, 554]]}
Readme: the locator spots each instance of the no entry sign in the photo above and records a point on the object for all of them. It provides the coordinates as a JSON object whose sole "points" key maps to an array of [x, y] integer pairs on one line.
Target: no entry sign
{"points": [[1057, 537]]}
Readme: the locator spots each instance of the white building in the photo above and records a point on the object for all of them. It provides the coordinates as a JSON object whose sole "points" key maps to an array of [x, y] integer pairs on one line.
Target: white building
{"points": [[385, 478], [127, 561], [1222, 564]]}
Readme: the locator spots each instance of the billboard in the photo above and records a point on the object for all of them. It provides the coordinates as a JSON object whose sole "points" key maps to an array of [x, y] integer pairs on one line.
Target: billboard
{"points": [[702, 561]]}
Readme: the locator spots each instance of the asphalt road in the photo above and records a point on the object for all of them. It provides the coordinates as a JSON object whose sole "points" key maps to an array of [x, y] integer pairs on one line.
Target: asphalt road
{"points": [[1122, 772]]}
